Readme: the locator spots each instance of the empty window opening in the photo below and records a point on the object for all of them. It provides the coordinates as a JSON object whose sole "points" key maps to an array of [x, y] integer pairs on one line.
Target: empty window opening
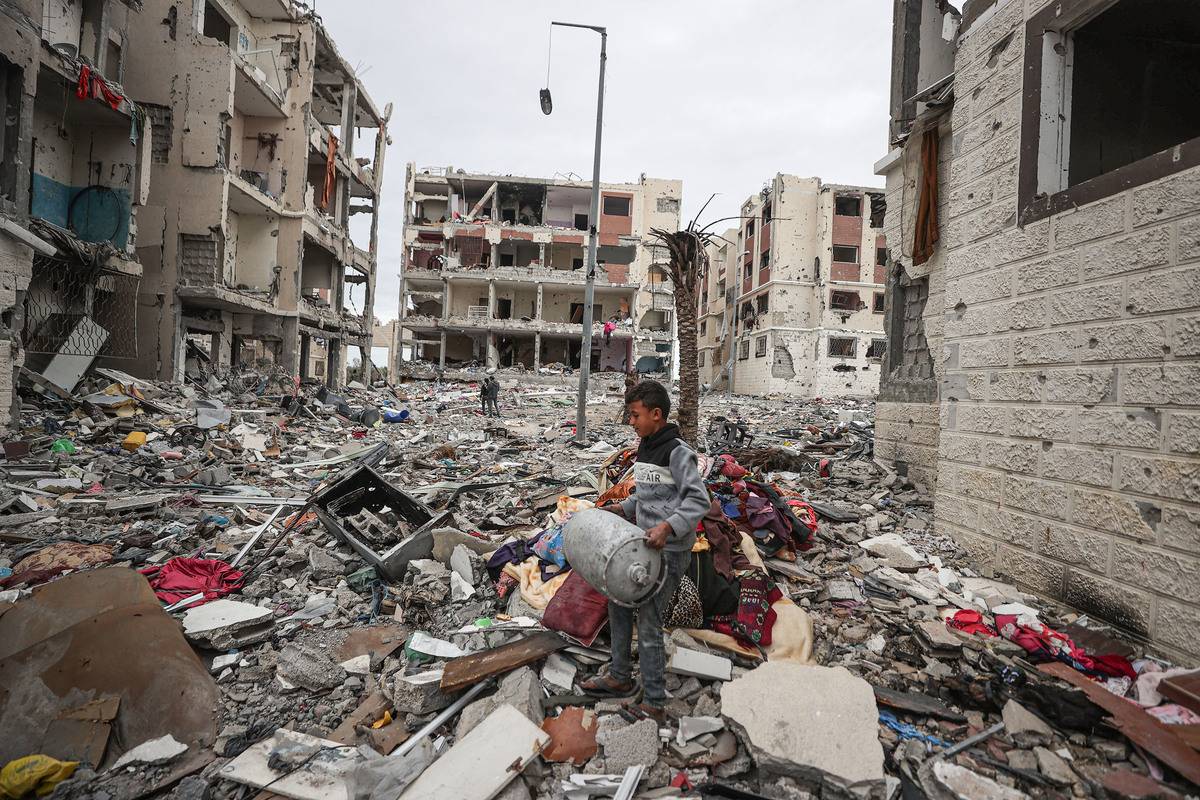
{"points": [[616, 206], [844, 301], [703, 327], [847, 205], [503, 308], [216, 24], [877, 348], [762, 302], [845, 254], [842, 346], [764, 259], [11, 79], [700, 359], [743, 350], [760, 347], [749, 228], [576, 263], [877, 303], [1139, 56], [766, 212], [880, 256], [508, 259], [749, 268], [581, 222]]}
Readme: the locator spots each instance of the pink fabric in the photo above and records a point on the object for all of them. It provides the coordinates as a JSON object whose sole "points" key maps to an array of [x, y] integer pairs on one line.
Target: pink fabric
{"points": [[1040, 640], [969, 621], [181, 578]]}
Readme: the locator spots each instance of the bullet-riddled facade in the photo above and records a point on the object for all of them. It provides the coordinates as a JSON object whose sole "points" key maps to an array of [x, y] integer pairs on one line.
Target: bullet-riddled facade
{"points": [[800, 294], [1043, 297], [74, 176], [266, 146], [494, 271]]}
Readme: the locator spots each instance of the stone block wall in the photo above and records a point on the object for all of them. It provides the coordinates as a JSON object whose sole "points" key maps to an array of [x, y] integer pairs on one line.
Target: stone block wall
{"points": [[1068, 454]]}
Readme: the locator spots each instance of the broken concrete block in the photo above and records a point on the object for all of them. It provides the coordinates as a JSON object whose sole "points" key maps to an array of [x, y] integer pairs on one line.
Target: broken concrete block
{"points": [[227, 624], [631, 745], [421, 693], [460, 562], [691, 727], [894, 551], [519, 689], [155, 751], [700, 664], [1023, 727], [445, 540], [309, 668], [1053, 767], [559, 671], [963, 784], [776, 704], [324, 566]]}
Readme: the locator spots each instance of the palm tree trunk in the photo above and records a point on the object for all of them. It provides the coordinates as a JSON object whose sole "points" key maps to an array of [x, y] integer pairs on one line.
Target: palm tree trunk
{"points": [[689, 377]]}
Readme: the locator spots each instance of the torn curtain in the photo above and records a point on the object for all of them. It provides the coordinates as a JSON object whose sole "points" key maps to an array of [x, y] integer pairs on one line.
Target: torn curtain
{"points": [[926, 234]]}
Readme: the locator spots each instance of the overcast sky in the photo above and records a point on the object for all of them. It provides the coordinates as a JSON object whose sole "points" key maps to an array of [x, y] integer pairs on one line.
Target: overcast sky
{"points": [[722, 95]]}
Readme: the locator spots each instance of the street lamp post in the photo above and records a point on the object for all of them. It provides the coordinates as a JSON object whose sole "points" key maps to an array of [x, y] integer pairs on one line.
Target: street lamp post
{"points": [[585, 352]]}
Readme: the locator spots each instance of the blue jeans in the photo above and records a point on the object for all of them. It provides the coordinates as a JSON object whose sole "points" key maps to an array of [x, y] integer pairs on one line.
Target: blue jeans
{"points": [[651, 653]]}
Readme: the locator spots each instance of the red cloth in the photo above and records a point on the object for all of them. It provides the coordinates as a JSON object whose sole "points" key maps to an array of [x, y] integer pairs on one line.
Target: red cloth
{"points": [[1050, 645], [181, 578], [83, 88], [969, 621], [577, 609]]}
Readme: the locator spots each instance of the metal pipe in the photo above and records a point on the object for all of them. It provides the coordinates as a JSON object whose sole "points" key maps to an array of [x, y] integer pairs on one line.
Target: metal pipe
{"points": [[437, 722]]}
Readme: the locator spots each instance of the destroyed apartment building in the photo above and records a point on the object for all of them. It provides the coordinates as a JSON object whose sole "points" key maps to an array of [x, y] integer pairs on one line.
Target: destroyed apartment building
{"points": [[494, 271], [792, 301], [1043, 296], [268, 156]]}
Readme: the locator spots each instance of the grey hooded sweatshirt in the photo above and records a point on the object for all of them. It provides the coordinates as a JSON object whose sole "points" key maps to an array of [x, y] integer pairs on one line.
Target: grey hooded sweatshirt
{"points": [[667, 488]]}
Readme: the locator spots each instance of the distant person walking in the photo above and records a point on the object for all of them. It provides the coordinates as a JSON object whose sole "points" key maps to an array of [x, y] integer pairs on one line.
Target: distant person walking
{"points": [[493, 398]]}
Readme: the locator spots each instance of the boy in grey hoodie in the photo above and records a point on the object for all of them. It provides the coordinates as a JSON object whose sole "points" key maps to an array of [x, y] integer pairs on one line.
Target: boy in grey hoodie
{"points": [[668, 500]]}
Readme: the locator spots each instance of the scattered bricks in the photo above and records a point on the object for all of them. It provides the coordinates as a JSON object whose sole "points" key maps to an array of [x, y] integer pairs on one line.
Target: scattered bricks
{"points": [[1126, 428], [1180, 528], [1112, 601], [1137, 251], [1163, 477], [1036, 496], [1075, 546], [1158, 570], [1161, 384], [1185, 336], [1166, 291], [1110, 512], [1060, 269], [1172, 196], [1031, 571], [1124, 340], [1086, 304], [1055, 347], [1007, 386], [1090, 221], [629, 746], [1078, 464]]}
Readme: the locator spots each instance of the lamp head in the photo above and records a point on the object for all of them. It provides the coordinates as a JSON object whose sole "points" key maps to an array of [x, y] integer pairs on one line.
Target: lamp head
{"points": [[547, 104]]}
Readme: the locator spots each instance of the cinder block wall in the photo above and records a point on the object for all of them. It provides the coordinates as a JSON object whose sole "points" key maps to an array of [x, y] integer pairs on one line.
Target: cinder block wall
{"points": [[1070, 400]]}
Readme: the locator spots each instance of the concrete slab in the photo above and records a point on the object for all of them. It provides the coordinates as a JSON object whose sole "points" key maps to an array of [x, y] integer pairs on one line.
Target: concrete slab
{"points": [[702, 665], [227, 624]]}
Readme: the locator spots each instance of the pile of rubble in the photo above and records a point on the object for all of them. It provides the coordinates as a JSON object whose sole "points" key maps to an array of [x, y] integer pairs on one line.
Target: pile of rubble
{"points": [[226, 591]]}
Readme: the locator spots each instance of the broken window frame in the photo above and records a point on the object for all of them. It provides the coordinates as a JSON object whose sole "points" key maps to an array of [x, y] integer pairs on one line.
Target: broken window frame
{"points": [[1045, 122], [850, 300], [876, 349], [744, 350], [700, 358], [881, 256], [764, 259], [840, 342], [762, 303], [877, 303], [844, 247], [766, 213], [703, 327], [841, 201], [749, 229], [760, 346]]}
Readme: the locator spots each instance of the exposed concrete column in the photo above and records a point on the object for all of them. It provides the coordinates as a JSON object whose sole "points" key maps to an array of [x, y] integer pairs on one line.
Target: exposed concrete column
{"points": [[542, 254], [538, 311], [491, 299], [445, 299], [349, 101], [442, 352], [289, 347], [493, 352], [537, 342], [494, 259]]}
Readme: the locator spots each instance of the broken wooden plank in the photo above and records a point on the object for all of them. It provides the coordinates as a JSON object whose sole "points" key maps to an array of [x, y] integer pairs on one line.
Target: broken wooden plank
{"points": [[483, 762], [468, 670], [1138, 726], [1183, 689], [915, 703]]}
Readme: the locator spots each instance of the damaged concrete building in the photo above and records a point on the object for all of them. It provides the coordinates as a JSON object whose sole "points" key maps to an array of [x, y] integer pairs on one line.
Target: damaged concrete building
{"points": [[265, 146], [493, 271], [799, 300], [1043, 295], [74, 173]]}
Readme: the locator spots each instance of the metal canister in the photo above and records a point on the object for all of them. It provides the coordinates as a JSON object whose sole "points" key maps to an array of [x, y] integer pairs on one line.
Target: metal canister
{"points": [[612, 555]]}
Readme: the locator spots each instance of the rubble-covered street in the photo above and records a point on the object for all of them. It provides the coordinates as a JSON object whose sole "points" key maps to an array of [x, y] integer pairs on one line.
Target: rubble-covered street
{"points": [[216, 593]]}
